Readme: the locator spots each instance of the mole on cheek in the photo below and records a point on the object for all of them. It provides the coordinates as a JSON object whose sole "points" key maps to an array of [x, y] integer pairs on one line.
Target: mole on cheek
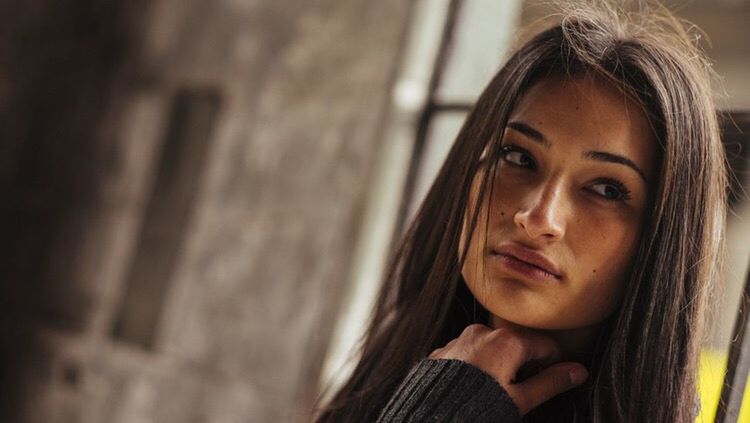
{"points": [[594, 271]]}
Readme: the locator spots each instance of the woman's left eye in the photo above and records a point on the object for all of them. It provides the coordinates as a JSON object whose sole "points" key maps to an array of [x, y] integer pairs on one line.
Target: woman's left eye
{"points": [[611, 190]]}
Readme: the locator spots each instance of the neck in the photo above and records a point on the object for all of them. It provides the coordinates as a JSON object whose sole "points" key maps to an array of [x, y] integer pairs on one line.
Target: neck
{"points": [[575, 344]]}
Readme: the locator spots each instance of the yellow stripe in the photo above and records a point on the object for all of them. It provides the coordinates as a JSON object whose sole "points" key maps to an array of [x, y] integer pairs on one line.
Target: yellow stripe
{"points": [[710, 379]]}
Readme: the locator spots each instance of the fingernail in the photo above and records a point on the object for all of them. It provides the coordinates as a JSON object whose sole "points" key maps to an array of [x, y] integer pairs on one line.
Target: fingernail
{"points": [[578, 375]]}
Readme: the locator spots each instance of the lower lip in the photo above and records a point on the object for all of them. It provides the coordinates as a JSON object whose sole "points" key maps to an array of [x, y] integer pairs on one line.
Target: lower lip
{"points": [[522, 268]]}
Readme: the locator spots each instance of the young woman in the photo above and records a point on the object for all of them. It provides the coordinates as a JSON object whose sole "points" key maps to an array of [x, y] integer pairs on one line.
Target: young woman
{"points": [[560, 266]]}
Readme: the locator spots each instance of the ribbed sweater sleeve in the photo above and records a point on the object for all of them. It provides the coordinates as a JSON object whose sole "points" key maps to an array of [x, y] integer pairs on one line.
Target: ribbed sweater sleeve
{"points": [[449, 391]]}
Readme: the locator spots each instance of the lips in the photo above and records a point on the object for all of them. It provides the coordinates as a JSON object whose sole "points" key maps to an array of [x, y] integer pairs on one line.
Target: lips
{"points": [[527, 256]]}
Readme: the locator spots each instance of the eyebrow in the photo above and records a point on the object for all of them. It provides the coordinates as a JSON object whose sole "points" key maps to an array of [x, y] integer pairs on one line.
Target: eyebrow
{"points": [[601, 156], [530, 132]]}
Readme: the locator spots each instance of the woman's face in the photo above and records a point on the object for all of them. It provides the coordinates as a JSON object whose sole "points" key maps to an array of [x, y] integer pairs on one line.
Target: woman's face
{"points": [[567, 206]]}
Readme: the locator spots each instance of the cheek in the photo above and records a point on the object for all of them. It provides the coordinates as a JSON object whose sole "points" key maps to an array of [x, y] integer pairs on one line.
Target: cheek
{"points": [[596, 300], [604, 251], [603, 245], [508, 193], [470, 266], [468, 215], [473, 268], [474, 271]]}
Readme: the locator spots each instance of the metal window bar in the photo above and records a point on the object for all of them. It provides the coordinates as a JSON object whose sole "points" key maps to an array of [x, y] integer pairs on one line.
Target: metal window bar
{"points": [[738, 363], [736, 138], [429, 111]]}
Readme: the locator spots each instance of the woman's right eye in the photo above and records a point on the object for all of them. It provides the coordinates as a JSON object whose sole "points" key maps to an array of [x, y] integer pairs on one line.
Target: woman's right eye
{"points": [[517, 156]]}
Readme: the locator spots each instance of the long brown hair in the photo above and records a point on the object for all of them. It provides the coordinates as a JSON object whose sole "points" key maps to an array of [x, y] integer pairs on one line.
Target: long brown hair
{"points": [[645, 367]]}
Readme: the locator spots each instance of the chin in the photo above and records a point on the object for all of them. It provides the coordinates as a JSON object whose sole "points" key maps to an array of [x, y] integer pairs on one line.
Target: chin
{"points": [[533, 321], [529, 323]]}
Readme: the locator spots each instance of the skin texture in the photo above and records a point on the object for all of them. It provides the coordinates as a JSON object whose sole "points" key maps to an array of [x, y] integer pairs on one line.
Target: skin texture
{"points": [[555, 197], [553, 200]]}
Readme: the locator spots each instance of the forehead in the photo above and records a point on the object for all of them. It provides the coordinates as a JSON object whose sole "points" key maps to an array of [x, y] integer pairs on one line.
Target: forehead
{"points": [[588, 113]]}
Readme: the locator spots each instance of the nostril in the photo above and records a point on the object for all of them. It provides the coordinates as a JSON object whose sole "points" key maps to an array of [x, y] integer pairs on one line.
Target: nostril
{"points": [[539, 224]]}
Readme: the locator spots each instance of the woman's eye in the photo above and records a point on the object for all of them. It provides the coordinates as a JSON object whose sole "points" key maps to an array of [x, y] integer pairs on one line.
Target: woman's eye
{"points": [[517, 157], [611, 190]]}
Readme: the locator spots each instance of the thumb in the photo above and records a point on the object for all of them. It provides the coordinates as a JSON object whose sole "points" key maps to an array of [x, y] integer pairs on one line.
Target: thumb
{"points": [[548, 383]]}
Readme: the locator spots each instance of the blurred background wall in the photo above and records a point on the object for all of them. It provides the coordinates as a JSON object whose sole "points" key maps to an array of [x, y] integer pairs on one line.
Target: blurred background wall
{"points": [[199, 196], [182, 184]]}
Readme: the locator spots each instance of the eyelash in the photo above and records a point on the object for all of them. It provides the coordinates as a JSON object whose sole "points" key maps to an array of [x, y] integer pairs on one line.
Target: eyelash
{"points": [[622, 190], [507, 149]]}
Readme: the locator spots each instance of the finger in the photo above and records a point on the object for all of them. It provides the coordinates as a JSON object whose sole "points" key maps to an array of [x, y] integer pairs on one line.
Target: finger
{"points": [[440, 352], [518, 349], [541, 348], [549, 383], [474, 330], [540, 352]]}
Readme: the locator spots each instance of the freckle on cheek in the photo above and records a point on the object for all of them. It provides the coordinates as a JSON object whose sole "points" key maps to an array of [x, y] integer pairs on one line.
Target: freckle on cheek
{"points": [[594, 271], [502, 213]]}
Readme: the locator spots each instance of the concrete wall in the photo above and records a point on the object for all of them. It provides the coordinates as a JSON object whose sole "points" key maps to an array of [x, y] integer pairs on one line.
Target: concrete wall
{"points": [[185, 180]]}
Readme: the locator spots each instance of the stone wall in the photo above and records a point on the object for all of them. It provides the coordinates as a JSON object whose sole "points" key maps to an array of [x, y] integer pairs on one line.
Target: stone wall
{"points": [[184, 184]]}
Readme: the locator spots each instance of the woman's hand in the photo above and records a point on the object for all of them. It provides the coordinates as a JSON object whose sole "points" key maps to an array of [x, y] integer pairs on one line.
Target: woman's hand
{"points": [[502, 352]]}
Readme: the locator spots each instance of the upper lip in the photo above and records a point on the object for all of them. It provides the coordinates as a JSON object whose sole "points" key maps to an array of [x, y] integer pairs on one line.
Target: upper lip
{"points": [[528, 255]]}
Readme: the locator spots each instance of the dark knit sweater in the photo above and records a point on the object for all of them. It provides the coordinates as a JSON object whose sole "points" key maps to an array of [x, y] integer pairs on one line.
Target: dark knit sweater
{"points": [[449, 391], [454, 391]]}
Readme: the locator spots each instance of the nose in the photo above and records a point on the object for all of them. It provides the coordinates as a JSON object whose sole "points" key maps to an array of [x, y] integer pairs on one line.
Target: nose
{"points": [[543, 215]]}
